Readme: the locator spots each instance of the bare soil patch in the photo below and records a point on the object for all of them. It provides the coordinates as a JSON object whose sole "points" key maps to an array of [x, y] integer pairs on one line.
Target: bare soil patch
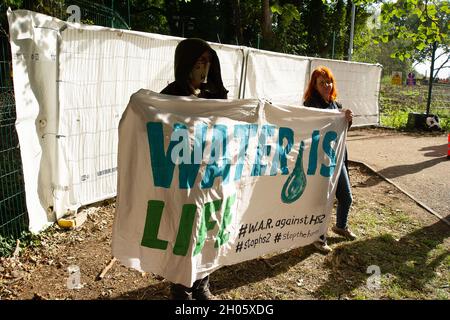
{"points": [[408, 245]]}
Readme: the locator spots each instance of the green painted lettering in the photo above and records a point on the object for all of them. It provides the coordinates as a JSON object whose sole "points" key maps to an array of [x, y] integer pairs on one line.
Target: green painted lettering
{"points": [[152, 222]]}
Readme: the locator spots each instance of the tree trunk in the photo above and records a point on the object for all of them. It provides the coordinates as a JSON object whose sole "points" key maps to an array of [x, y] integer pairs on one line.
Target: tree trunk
{"points": [[430, 84], [266, 22], [170, 7], [237, 21]]}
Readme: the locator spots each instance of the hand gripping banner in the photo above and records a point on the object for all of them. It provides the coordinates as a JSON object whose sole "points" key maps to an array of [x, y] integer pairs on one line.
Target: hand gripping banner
{"points": [[208, 183]]}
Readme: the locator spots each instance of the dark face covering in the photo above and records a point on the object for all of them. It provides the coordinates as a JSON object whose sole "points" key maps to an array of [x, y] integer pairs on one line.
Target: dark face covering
{"points": [[199, 73], [187, 53]]}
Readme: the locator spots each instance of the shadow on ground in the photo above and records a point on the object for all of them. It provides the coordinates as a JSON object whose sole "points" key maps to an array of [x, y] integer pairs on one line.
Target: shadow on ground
{"points": [[231, 277], [401, 170], [404, 261], [435, 151]]}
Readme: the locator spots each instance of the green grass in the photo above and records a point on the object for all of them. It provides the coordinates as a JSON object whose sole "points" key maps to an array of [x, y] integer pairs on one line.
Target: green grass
{"points": [[396, 102], [413, 259]]}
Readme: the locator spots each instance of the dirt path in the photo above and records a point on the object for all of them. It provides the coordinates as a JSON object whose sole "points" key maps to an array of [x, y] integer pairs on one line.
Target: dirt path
{"points": [[416, 162], [408, 245]]}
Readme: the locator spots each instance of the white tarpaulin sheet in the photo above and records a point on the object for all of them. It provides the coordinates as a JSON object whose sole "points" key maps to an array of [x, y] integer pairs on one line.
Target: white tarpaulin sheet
{"points": [[279, 78], [99, 69], [358, 86], [72, 83], [284, 78], [207, 183], [34, 61], [75, 81]]}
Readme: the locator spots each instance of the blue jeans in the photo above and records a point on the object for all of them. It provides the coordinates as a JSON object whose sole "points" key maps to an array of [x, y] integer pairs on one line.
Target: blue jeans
{"points": [[345, 199]]}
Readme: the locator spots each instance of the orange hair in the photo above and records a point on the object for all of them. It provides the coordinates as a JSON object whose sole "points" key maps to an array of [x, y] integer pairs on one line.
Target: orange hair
{"points": [[327, 74]]}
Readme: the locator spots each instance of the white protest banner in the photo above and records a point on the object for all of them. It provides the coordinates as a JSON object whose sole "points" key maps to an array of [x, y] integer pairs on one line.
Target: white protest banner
{"points": [[208, 183]]}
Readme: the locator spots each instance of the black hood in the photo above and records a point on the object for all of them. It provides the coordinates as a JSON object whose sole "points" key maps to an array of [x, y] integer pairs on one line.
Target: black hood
{"points": [[186, 54]]}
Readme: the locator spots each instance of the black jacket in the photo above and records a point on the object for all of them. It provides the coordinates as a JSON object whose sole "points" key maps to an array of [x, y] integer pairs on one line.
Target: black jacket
{"points": [[186, 54], [316, 101]]}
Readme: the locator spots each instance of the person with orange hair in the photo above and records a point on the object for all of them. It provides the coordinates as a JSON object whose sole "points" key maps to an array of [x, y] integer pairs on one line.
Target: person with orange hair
{"points": [[321, 93]]}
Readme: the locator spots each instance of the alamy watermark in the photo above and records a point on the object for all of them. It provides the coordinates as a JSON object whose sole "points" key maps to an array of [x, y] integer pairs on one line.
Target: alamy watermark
{"points": [[374, 281], [75, 12], [74, 279]]}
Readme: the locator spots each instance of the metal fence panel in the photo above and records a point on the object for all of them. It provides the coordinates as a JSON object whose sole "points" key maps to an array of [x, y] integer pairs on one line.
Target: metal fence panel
{"points": [[13, 213]]}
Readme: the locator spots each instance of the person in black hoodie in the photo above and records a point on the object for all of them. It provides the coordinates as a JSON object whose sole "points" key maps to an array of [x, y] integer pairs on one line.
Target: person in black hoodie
{"points": [[321, 93], [197, 73]]}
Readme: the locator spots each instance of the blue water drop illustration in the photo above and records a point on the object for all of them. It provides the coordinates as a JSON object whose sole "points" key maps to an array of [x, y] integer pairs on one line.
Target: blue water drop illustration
{"points": [[296, 182]]}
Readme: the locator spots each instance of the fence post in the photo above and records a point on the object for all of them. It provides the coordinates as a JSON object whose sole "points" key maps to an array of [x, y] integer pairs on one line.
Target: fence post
{"points": [[430, 84]]}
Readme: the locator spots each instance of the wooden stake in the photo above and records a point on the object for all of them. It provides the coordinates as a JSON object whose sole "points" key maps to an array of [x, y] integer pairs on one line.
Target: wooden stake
{"points": [[17, 250], [106, 269]]}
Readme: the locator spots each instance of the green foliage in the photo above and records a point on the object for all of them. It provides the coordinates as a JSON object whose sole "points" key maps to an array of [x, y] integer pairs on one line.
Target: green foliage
{"points": [[309, 27], [317, 28], [6, 246], [276, 9], [407, 34], [12, 3], [419, 24], [288, 29], [366, 49], [87, 21], [444, 120], [145, 15], [288, 12], [26, 238], [396, 102], [395, 119]]}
